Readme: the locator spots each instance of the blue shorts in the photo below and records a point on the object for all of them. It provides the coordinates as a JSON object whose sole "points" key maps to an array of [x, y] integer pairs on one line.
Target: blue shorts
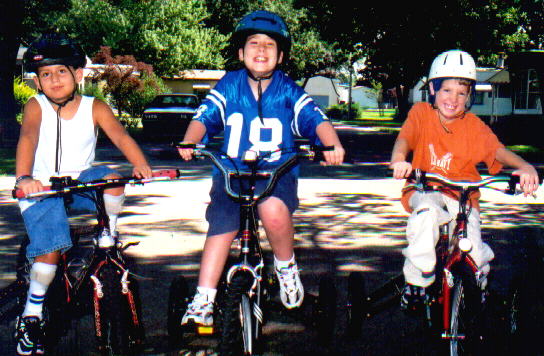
{"points": [[46, 220], [223, 213]]}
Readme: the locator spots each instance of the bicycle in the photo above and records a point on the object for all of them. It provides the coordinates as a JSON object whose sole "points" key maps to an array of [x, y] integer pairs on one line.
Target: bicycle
{"points": [[247, 285], [456, 300], [88, 277]]}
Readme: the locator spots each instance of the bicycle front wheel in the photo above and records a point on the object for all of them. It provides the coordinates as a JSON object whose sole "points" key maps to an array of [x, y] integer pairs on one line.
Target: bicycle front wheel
{"points": [[236, 318], [466, 310], [246, 320]]}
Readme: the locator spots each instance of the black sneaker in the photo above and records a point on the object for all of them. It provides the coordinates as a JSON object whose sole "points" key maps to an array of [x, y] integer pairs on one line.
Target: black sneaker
{"points": [[29, 336], [413, 298]]}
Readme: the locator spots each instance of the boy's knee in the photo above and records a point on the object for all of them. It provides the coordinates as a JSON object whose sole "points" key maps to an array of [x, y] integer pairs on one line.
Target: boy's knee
{"points": [[43, 273]]}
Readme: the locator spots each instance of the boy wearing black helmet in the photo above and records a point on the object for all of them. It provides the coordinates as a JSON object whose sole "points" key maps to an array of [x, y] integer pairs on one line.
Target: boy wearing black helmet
{"points": [[58, 138], [258, 108], [445, 138]]}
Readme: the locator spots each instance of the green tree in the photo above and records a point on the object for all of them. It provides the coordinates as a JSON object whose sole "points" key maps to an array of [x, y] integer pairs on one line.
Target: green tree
{"points": [[170, 35], [309, 53]]}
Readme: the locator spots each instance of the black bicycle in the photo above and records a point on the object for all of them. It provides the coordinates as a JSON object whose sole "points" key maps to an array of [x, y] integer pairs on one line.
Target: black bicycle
{"points": [[248, 286], [90, 279], [457, 301]]}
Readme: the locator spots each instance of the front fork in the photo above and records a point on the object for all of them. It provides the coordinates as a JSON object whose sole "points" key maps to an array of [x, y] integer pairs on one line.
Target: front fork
{"points": [[453, 256]]}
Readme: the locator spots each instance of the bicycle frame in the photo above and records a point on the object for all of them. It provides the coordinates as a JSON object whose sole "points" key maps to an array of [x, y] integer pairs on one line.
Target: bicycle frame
{"points": [[90, 268], [451, 251]]}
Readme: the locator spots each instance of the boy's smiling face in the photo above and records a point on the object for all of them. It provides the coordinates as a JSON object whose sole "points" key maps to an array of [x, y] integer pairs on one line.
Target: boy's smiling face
{"points": [[260, 55], [58, 81], [451, 98]]}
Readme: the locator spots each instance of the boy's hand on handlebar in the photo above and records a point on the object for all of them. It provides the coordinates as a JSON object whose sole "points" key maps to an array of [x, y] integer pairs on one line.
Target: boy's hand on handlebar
{"points": [[334, 157], [29, 186], [186, 153], [401, 169], [528, 179], [143, 171]]}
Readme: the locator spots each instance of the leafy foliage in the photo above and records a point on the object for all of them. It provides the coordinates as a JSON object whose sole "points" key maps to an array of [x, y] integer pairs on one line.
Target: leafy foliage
{"points": [[129, 83]]}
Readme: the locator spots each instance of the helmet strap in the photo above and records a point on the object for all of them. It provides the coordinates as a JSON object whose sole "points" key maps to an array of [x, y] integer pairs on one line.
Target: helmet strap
{"points": [[58, 150], [259, 91]]}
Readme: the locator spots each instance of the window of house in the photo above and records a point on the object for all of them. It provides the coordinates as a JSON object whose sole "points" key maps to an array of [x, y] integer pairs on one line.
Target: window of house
{"points": [[479, 98], [528, 91]]}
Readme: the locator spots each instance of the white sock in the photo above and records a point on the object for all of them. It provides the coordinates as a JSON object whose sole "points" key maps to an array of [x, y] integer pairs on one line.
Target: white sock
{"points": [[208, 292], [284, 264], [114, 205], [41, 276]]}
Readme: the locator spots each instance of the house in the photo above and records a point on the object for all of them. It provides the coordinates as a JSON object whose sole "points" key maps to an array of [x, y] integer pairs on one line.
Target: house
{"points": [[327, 92], [324, 91], [195, 81], [364, 96]]}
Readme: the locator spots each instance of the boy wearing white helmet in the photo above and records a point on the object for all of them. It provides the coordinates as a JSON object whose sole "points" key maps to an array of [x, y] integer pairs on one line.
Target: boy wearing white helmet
{"points": [[445, 138]]}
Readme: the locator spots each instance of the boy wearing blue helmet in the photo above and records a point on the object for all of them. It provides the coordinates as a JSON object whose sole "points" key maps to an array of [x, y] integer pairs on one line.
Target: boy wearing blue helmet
{"points": [[244, 104]]}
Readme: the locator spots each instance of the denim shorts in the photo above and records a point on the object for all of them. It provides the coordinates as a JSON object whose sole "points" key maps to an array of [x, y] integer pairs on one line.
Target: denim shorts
{"points": [[223, 213], [46, 220]]}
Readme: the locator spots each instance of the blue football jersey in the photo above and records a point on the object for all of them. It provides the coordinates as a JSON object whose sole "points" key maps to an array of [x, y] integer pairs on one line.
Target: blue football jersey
{"points": [[288, 112]]}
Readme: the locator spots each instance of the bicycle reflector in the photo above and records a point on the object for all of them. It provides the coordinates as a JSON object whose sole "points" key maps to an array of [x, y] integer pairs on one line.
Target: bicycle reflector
{"points": [[465, 245]]}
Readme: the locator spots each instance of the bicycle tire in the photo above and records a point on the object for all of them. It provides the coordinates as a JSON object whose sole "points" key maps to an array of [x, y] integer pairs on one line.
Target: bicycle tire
{"points": [[357, 304], [326, 310], [465, 314], [178, 298], [119, 334], [247, 321], [231, 338]]}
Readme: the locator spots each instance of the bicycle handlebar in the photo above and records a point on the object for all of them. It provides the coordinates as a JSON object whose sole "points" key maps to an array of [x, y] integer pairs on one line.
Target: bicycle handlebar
{"points": [[308, 151], [70, 186], [421, 178]]}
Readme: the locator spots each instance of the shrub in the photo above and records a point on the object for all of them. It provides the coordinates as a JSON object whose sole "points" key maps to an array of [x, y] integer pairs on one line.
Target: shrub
{"points": [[340, 111], [22, 93], [95, 89]]}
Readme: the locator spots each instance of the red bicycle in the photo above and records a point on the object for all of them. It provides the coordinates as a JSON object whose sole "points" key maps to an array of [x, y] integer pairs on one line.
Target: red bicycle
{"points": [[456, 304], [90, 279]]}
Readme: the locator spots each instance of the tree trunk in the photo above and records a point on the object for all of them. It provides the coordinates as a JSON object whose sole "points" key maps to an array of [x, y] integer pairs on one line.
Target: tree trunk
{"points": [[10, 31], [402, 102]]}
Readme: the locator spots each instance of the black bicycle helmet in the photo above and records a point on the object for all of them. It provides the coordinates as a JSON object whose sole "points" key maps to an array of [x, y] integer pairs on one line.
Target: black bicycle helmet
{"points": [[266, 22], [53, 48]]}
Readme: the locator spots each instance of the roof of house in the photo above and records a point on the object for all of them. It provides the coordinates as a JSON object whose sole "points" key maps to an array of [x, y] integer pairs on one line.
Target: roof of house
{"points": [[200, 74]]}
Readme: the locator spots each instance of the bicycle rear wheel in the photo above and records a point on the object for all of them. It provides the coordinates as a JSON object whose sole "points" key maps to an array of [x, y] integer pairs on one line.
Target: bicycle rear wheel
{"points": [[356, 303], [177, 305]]}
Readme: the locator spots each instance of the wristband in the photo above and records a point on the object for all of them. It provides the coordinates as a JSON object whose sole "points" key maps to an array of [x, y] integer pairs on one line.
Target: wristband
{"points": [[23, 177]]}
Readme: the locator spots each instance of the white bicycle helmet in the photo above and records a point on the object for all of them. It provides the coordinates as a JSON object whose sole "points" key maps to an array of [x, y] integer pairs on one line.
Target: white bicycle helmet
{"points": [[453, 64]]}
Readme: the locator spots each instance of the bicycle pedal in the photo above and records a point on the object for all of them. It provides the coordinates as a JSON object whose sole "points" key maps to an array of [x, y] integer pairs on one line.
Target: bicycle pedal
{"points": [[205, 330]]}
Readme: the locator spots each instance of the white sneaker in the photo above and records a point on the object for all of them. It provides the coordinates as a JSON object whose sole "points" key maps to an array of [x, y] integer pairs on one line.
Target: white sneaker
{"points": [[291, 289], [200, 311]]}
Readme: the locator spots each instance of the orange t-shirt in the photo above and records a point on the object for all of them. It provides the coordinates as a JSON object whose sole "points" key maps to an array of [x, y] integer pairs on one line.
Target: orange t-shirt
{"points": [[453, 150]]}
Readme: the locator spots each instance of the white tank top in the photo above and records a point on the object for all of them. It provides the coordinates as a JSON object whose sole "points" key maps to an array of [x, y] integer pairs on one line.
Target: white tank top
{"points": [[77, 144]]}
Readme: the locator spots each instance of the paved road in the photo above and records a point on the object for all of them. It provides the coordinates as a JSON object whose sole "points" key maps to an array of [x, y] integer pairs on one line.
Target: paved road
{"points": [[353, 223]]}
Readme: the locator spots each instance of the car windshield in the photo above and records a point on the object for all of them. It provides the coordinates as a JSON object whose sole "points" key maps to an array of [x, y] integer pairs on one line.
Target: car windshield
{"points": [[181, 100]]}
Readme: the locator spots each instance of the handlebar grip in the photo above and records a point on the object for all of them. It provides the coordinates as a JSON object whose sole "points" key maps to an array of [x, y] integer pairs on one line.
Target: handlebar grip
{"points": [[512, 185], [186, 145], [170, 173]]}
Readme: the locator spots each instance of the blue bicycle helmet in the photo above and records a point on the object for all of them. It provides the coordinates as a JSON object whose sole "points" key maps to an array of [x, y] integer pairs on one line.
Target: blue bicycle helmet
{"points": [[53, 48], [266, 22]]}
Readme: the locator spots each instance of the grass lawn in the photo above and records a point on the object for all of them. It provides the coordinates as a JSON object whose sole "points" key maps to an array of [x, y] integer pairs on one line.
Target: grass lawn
{"points": [[7, 161]]}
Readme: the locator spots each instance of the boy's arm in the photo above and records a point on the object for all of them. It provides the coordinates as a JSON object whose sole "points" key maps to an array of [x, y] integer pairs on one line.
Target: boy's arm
{"points": [[328, 137], [528, 176], [401, 168], [194, 134], [26, 148], [103, 116]]}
